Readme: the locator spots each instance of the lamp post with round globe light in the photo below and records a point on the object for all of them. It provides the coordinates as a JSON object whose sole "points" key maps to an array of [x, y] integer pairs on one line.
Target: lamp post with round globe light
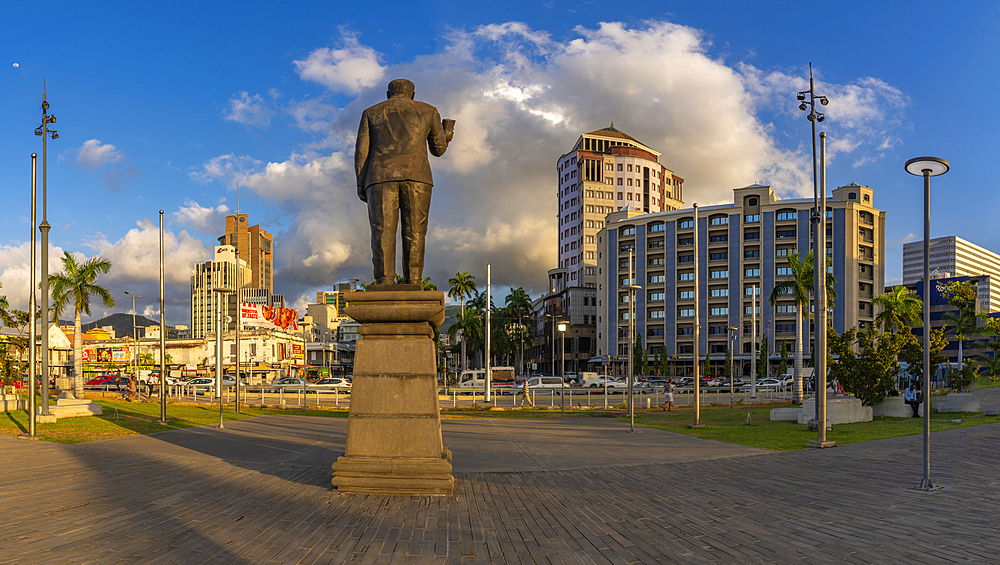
{"points": [[927, 167], [44, 131]]}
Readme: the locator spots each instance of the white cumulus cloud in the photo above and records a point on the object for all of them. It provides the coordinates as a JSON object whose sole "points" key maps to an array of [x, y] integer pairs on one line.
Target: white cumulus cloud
{"points": [[521, 99], [349, 68], [249, 110]]}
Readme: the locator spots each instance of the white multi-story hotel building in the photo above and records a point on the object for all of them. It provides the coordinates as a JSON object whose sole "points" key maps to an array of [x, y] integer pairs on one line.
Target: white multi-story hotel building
{"points": [[742, 246], [607, 170], [219, 273], [952, 256]]}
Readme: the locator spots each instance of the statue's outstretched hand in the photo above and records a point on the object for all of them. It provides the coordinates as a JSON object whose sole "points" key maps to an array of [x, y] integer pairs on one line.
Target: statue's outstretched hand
{"points": [[363, 194]]}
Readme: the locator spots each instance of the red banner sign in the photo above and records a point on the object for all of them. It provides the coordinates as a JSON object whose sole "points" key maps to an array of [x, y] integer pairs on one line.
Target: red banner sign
{"points": [[269, 317]]}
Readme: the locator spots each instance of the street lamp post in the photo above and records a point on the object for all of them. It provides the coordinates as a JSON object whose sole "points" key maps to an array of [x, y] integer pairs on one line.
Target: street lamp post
{"points": [[807, 102], [221, 293], [632, 288], [44, 131], [819, 351], [163, 338], [696, 329], [32, 352], [927, 167], [562, 370], [733, 335]]}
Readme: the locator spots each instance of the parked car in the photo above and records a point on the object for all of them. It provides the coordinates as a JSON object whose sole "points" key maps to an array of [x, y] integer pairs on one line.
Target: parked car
{"points": [[101, 380], [286, 382], [768, 383], [333, 384], [201, 385]]}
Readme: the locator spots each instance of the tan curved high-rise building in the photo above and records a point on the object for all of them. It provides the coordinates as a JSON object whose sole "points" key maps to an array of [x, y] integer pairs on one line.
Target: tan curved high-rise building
{"points": [[607, 170]]}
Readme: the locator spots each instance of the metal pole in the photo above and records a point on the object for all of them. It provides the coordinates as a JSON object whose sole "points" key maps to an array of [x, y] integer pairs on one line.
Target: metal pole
{"points": [[631, 344], [163, 331], [488, 372], [44, 228], [562, 372], [697, 333], [926, 484], [821, 318], [218, 352], [32, 355], [239, 315], [753, 341]]}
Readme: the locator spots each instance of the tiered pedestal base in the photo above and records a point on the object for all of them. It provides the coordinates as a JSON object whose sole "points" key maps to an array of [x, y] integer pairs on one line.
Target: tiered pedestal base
{"points": [[394, 441]]}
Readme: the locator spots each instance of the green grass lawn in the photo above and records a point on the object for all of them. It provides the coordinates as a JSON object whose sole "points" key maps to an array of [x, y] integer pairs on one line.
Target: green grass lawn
{"points": [[122, 419], [729, 425]]}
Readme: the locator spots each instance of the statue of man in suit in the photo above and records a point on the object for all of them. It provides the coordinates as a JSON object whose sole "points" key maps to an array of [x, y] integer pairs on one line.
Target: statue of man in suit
{"points": [[394, 176]]}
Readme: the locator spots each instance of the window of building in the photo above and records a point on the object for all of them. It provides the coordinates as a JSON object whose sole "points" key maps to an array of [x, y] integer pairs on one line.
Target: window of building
{"points": [[685, 240], [867, 198], [685, 349], [751, 253], [751, 236], [718, 274], [686, 295], [718, 238], [751, 202], [718, 256], [685, 258], [784, 252], [625, 248], [718, 311], [627, 231], [656, 279], [654, 332], [751, 219], [686, 330], [718, 221], [718, 348], [658, 227], [619, 166], [656, 314], [655, 262], [785, 309], [780, 234], [590, 239], [656, 296], [630, 168], [590, 254], [783, 271], [625, 281], [630, 196], [852, 196], [658, 244], [786, 215], [718, 292], [685, 313], [685, 224], [685, 276], [746, 311], [620, 194], [751, 272]]}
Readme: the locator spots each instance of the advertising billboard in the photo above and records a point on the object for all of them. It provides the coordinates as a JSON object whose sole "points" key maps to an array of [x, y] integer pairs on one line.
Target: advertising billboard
{"points": [[269, 317], [297, 351]]}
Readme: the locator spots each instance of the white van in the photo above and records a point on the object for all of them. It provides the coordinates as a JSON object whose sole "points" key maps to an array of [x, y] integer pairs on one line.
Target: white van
{"points": [[535, 383], [591, 380], [476, 378]]}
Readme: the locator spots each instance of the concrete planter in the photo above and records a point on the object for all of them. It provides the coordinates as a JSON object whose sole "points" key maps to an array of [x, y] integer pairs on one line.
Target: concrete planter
{"points": [[839, 410], [959, 402], [895, 407]]}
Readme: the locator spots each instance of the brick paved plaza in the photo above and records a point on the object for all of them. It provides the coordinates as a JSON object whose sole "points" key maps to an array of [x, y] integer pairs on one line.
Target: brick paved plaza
{"points": [[578, 490]]}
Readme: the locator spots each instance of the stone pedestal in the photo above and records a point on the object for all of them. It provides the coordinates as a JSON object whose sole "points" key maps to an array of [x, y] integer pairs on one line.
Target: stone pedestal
{"points": [[959, 402], [839, 410], [394, 441]]}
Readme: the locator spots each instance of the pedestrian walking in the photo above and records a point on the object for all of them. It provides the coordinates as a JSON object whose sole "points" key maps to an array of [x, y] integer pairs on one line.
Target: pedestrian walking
{"points": [[524, 394], [668, 395]]}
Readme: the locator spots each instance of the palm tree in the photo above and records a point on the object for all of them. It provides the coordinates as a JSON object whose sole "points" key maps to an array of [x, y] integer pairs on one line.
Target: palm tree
{"points": [[898, 308], [461, 286], [76, 284], [519, 306], [799, 287]]}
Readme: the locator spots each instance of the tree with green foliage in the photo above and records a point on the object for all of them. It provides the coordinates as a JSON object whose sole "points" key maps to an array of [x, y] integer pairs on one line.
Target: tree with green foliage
{"points": [[897, 308], [727, 371], [762, 358], [783, 362], [869, 374], [461, 286], [961, 295], [640, 360], [912, 352], [75, 285], [663, 364], [799, 287]]}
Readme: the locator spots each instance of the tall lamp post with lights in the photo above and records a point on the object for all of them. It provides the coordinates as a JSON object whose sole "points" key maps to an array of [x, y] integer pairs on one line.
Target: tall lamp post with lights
{"points": [[807, 103], [44, 131], [927, 167]]}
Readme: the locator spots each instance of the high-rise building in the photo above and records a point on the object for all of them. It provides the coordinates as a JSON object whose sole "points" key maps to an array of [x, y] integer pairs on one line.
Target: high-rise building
{"points": [[255, 246], [952, 256], [607, 170], [741, 247], [220, 273]]}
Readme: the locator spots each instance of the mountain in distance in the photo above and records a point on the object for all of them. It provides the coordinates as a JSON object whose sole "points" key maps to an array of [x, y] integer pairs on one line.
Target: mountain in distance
{"points": [[122, 323]]}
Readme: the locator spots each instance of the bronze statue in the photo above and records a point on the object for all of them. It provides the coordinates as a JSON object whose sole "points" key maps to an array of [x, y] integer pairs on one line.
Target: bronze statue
{"points": [[394, 176]]}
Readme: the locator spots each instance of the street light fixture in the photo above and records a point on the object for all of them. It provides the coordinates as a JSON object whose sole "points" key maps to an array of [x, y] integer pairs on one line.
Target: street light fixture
{"points": [[927, 167], [562, 371], [44, 131], [221, 292]]}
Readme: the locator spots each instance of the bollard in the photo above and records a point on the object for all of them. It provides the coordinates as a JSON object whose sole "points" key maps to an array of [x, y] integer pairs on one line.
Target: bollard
{"points": [[454, 399], [262, 397], [647, 402]]}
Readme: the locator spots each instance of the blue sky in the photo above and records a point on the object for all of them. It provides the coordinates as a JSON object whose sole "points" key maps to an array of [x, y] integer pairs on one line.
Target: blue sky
{"points": [[168, 105]]}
